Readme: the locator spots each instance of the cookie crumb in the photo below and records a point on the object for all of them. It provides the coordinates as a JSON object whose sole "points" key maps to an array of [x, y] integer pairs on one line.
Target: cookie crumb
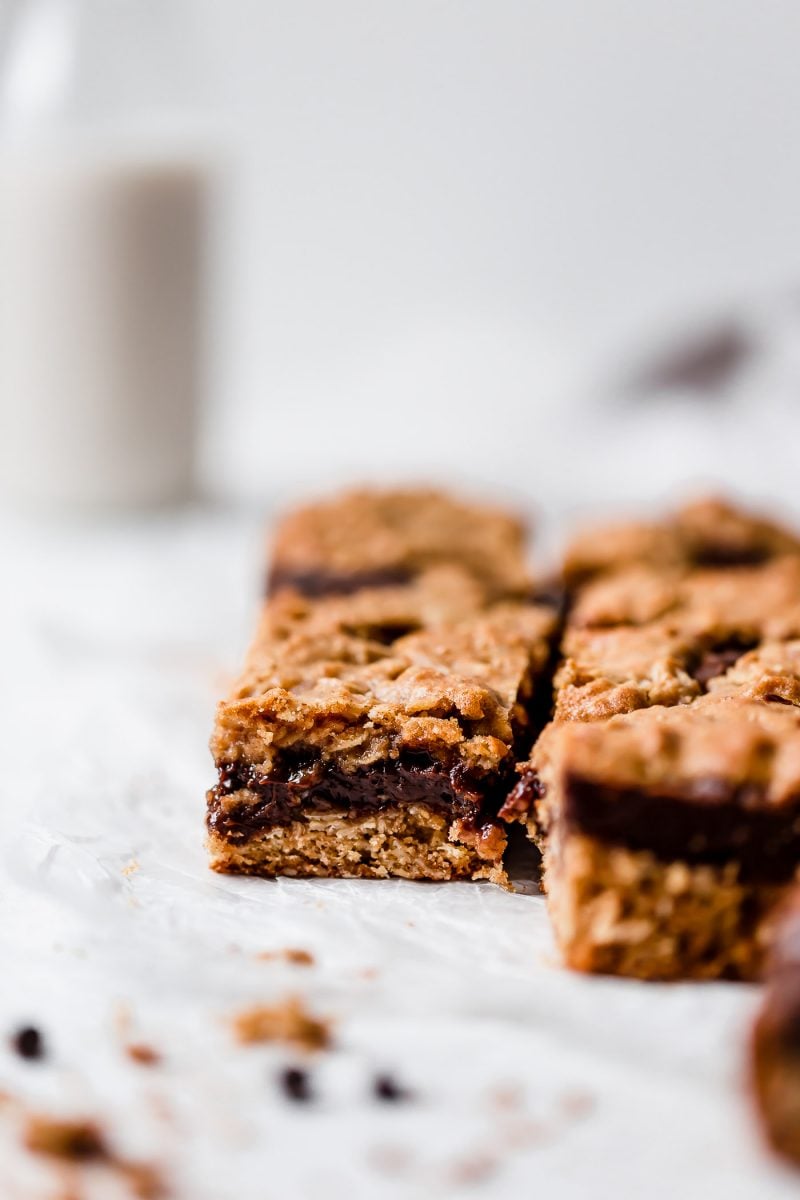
{"points": [[140, 1052], [577, 1104], [82, 1142], [474, 1169], [297, 1085], [297, 957], [521, 1133], [506, 1097], [28, 1042], [130, 868], [288, 1021], [392, 1160], [77, 1141], [145, 1182]]}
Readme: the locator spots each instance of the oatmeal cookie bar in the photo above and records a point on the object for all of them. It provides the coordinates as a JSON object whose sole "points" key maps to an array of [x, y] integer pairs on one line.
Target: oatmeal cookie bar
{"points": [[670, 833], [775, 1044], [373, 538], [667, 665], [375, 734]]}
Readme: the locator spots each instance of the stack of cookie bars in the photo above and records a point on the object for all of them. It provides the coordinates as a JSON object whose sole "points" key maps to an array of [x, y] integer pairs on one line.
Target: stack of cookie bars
{"points": [[408, 696]]}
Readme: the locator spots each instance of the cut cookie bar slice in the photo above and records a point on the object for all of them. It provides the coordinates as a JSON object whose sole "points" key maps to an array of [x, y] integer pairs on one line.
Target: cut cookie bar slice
{"points": [[375, 734], [669, 834]]}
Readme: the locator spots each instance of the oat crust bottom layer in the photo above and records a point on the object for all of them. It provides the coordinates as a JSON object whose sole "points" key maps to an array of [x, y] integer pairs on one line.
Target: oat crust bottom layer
{"points": [[411, 842], [622, 912]]}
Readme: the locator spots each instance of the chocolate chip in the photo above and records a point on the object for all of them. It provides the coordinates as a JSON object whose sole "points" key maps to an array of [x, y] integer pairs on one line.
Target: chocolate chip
{"points": [[386, 1088], [296, 1084], [28, 1042]]}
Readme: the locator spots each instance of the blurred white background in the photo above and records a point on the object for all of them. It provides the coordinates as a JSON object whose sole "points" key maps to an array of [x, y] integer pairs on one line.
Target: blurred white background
{"points": [[447, 233], [451, 218]]}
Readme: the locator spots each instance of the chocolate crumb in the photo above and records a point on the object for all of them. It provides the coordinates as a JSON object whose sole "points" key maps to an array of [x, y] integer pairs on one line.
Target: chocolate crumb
{"points": [[386, 1088], [77, 1141], [28, 1042], [285, 1022], [297, 1085], [141, 1053]]}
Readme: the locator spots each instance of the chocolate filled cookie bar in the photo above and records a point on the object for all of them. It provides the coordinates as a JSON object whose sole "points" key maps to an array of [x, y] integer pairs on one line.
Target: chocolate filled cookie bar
{"points": [[670, 834], [375, 734], [775, 1045], [376, 538], [653, 655]]}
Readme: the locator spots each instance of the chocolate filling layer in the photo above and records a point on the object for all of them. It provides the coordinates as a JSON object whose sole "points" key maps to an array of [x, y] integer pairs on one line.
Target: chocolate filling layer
{"points": [[319, 787], [713, 821], [315, 583]]}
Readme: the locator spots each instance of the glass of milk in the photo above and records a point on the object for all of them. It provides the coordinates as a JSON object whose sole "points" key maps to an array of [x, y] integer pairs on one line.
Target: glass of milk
{"points": [[103, 197]]}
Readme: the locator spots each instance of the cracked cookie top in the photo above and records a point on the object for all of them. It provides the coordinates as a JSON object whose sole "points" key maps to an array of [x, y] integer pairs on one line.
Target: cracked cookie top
{"points": [[426, 667], [373, 537]]}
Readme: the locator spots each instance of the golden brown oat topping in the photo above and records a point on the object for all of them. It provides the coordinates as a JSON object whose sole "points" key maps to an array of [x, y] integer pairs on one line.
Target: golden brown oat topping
{"points": [[369, 531], [729, 738], [346, 678], [763, 600], [702, 532]]}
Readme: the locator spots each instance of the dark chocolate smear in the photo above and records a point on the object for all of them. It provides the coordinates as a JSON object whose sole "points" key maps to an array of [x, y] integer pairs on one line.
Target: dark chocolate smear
{"points": [[713, 821], [305, 785], [315, 583]]}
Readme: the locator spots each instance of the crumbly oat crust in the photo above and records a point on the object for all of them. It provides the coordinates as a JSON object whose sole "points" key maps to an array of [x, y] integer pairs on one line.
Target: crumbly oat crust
{"points": [[393, 534], [412, 842], [617, 911]]}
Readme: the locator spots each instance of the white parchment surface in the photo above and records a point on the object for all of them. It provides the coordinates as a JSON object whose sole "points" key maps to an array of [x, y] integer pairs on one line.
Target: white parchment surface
{"points": [[526, 1080]]}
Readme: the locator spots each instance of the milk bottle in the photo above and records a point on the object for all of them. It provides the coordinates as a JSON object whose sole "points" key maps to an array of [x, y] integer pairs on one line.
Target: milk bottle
{"points": [[103, 189]]}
